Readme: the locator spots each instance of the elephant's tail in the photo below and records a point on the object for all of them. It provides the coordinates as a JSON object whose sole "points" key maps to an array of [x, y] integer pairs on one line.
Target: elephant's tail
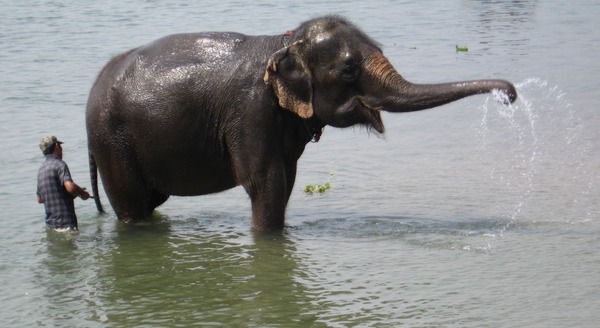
{"points": [[94, 179]]}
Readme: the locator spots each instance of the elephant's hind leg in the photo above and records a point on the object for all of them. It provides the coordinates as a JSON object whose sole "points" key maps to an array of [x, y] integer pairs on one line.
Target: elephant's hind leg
{"points": [[140, 204], [130, 200], [125, 185], [156, 199]]}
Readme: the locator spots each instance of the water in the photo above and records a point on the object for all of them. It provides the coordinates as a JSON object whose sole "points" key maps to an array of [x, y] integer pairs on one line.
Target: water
{"points": [[469, 215]]}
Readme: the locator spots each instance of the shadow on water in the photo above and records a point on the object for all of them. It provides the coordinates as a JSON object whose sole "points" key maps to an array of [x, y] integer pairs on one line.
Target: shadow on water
{"points": [[183, 272], [468, 234]]}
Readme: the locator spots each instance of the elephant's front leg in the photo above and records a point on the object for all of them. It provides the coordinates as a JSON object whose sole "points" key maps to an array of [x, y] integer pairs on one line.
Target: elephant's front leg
{"points": [[269, 193]]}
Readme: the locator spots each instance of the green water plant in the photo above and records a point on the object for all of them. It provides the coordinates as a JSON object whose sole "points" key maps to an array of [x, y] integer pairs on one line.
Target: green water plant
{"points": [[462, 48], [311, 189], [319, 188]]}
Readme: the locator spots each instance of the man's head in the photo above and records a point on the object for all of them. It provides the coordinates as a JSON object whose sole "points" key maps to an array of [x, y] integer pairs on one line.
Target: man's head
{"points": [[48, 145]]}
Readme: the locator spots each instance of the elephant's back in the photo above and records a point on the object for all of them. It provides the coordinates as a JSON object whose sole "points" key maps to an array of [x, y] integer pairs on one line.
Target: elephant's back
{"points": [[202, 61], [170, 104], [190, 47]]}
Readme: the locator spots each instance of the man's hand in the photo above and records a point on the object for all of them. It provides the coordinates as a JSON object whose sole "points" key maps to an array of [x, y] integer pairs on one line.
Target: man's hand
{"points": [[76, 191], [84, 194]]}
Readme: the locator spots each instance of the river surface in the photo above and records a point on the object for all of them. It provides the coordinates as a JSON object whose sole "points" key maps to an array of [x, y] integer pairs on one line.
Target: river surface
{"points": [[472, 214]]}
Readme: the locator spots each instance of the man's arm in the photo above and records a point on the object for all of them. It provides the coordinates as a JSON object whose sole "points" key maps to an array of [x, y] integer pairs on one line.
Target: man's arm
{"points": [[76, 191]]}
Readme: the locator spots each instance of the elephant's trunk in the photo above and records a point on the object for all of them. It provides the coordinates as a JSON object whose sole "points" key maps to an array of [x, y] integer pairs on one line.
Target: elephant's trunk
{"points": [[395, 94]]}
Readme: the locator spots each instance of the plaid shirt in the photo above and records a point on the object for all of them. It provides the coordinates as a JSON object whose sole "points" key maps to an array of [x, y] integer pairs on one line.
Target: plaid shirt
{"points": [[60, 209]]}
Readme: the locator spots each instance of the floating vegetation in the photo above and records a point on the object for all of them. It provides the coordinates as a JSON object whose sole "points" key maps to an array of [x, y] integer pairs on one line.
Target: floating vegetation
{"points": [[462, 48], [311, 189], [319, 188]]}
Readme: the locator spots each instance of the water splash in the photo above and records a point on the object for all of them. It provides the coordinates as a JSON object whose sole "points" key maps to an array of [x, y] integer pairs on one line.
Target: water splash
{"points": [[535, 150]]}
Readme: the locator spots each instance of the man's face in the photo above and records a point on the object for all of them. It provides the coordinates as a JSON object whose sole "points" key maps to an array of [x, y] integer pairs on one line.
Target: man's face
{"points": [[58, 151]]}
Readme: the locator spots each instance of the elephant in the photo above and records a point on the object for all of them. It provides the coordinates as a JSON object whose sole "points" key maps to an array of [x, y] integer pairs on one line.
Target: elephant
{"points": [[199, 113]]}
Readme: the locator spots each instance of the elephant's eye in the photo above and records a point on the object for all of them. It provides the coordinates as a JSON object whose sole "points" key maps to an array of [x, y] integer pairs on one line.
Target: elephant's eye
{"points": [[350, 72]]}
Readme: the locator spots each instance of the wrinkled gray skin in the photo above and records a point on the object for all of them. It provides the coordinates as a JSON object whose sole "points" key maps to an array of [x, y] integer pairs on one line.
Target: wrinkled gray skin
{"points": [[194, 114]]}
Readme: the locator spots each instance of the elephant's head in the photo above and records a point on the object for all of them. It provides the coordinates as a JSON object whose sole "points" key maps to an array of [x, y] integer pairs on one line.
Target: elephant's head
{"points": [[336, 73]]}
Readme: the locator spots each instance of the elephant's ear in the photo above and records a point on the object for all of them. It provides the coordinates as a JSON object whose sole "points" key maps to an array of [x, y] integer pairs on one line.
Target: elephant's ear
{"points": [[291, 80]]}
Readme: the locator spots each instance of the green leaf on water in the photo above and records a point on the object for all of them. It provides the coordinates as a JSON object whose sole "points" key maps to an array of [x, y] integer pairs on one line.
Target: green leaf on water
{"points": [[320, 188], [311, 189], [463, 48]]}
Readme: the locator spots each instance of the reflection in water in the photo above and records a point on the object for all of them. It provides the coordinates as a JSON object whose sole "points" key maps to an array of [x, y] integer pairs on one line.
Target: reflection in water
{"points": [[135, 268], [163, 275], [62, 282], [274, 288]]}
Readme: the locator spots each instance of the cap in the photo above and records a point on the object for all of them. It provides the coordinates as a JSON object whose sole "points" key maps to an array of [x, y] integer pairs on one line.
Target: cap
{"points": [[47, 142]]}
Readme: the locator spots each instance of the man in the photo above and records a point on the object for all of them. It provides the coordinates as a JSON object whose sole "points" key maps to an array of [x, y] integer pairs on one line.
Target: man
{"points": [[55, 188]]}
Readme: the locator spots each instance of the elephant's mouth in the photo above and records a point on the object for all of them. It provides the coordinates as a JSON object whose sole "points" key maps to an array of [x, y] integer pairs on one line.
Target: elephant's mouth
{"points": [[372, 115], [356, 110]]}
